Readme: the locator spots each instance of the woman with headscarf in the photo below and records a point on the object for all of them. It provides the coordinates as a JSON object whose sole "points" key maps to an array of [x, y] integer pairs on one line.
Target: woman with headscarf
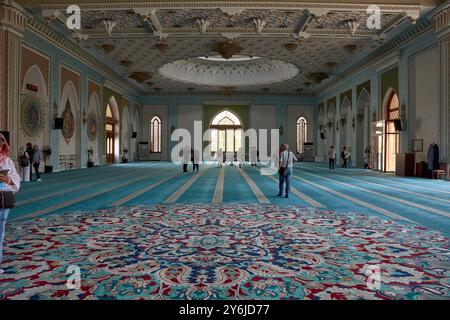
{"points": [[9, 185], [24, 165], [37, 161]]}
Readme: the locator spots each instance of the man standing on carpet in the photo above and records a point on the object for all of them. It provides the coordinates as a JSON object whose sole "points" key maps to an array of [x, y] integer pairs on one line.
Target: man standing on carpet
{"points": [[287, 159], [332, 157]]}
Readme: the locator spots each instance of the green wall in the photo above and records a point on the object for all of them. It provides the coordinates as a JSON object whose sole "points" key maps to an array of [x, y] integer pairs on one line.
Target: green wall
{"points": [[389, 79]]}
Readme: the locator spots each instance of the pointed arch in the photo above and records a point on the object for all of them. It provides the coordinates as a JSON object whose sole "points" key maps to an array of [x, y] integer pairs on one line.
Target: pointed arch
{"points": [[155, 134], [226, 130], [302, 134]]}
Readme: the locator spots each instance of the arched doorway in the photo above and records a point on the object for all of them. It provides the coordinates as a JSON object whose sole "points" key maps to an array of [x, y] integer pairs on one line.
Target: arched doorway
{"points": [[302, 135], [362, 128], [385, 135], [226, 132], [112, 131]]}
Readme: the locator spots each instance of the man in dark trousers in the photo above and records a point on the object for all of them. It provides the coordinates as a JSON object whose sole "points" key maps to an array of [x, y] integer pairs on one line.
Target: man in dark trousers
{"points": [[30, 151], [344, 157]]}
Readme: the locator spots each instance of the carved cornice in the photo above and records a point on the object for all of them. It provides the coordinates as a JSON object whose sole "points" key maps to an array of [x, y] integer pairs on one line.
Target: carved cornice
{"points": [[12, 17], [239, 5], [441, 19], [220, 94]]}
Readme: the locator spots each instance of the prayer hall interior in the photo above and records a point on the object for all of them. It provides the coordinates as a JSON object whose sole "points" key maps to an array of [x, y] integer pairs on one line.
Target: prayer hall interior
{"points": [[225, 150]]}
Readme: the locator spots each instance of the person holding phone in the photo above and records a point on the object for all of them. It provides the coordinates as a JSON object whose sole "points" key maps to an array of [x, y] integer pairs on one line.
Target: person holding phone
{"points": [[9, 185]]}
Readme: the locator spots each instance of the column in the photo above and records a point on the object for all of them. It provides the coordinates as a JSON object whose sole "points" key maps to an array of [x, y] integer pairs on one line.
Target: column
{"points": [[281, 121], [12, 27], [354, 120], [404, 135], [84, 100], [441, 21]]}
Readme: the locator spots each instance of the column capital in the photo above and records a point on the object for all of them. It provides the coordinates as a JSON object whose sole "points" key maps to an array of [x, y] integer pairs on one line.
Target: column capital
{"points": [[12, 17], [441, 19]]}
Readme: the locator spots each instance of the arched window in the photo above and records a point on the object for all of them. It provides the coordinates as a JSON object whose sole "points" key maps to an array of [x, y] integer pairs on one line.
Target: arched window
{"points": [[226, 132], [393, 111], [302, 134], [155, 135]]}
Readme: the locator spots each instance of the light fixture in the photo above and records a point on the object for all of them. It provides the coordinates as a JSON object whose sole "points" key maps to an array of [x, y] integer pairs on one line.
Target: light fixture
{"points": [[84, 118]]}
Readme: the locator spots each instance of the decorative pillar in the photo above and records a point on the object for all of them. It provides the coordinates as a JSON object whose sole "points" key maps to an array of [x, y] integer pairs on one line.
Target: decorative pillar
{"points": [[353, 125], [281, 121], [441, 21], [337, 127], [405, 145], [12, 26]]}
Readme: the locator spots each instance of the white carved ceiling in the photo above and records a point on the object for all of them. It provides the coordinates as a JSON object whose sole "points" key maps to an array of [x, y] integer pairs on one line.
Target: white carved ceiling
{"points": [[320, 40]]}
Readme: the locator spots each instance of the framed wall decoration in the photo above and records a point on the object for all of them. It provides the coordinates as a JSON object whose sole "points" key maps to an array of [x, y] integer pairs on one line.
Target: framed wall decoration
{"points": [[91, 126], [69, 123], [418, 145], [32, 115]]}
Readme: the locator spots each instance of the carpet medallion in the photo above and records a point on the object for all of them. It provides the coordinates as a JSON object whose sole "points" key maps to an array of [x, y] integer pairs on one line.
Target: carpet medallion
{"points": [[216, 251]]}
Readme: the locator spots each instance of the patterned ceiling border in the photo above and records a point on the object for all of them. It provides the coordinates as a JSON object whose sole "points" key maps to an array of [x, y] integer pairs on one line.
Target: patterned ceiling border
{"points": [[237, 94], [238, 5]]}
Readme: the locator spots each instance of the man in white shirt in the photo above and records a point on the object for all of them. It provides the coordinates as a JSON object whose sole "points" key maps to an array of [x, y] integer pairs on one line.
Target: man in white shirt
{"points": [[332, 157], [287, 159]]}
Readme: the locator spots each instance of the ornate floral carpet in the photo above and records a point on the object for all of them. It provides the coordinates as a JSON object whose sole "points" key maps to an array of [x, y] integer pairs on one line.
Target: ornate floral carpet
{"points": [[223, 252]]}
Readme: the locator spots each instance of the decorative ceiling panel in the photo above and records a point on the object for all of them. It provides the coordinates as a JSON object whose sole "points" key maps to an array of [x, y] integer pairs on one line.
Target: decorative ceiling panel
{"points": [[320, 40], [336, 21], [311, 56], [187, 19]]}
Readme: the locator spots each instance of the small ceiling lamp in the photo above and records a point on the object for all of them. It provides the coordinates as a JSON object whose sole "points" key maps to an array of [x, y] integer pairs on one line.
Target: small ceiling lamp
{"points": [[161, 45], [140, 76], [227, 49], [291, 46], [108, 47], [350, 48]]}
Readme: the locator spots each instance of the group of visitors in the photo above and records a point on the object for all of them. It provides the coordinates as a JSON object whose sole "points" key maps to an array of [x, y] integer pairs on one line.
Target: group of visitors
{"points": [[191, 155], [345, 157], [240, 157], [29, 158]]}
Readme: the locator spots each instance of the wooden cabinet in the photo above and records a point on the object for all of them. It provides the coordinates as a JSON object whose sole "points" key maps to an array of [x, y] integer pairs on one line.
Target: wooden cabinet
{"points": [[405, 164]]}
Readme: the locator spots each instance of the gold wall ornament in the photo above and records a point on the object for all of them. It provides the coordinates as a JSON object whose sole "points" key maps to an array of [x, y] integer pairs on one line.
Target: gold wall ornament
{"points": [[32, 115], [84, 118], [68, 129], [227, 49]]}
